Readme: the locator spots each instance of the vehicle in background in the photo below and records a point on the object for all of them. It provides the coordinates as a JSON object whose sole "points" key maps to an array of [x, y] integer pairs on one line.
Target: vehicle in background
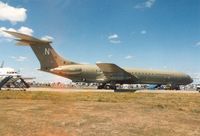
{"points": [[198, 87]]}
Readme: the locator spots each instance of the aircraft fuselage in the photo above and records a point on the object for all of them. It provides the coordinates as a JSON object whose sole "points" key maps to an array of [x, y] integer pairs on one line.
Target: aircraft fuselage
{"points": [[92, 73]]}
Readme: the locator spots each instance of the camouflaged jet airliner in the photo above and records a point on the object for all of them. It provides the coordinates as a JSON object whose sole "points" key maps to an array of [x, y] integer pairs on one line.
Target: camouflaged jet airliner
{"points": [[107, 75]]}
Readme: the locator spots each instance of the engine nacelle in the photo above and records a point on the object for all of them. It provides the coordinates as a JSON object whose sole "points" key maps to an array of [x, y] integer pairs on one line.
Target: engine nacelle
{"points": [[67, 70]]}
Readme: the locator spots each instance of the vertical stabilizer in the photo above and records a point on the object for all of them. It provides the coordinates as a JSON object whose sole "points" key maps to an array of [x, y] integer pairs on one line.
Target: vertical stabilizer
{"points": [[46, 55]]}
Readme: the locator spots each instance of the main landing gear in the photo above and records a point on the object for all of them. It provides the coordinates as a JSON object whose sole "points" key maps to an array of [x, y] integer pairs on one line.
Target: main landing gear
{"points": [[107, 86], [172, 87], [175, 88]]}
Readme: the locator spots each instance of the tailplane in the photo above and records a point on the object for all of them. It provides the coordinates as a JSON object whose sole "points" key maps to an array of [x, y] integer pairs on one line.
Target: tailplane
{"points": [[46, 55]]}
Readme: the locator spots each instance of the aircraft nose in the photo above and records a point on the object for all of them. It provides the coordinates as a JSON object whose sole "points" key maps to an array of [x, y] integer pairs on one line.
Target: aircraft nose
{"points": [[190, 80]]}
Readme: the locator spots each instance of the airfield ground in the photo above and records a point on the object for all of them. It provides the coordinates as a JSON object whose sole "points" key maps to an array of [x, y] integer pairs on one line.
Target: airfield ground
{"points": [[44, 113], [105, 90]]}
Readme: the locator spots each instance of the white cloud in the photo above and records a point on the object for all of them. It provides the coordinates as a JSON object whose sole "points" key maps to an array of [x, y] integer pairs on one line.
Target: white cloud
{"points": [[128, 57], [198, 44], [114, 38], [12, 14], [143, 32], [146, 4], [19, 58], [47, 38], [149, 3], [24, 30], [4, 34]]}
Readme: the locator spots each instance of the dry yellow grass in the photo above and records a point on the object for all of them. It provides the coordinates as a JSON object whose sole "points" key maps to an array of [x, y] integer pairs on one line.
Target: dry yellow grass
{"points": [[88, 114]]}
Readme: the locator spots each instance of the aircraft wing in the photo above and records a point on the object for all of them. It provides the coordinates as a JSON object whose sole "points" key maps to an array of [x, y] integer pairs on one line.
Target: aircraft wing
{"points": [[114, 72]]}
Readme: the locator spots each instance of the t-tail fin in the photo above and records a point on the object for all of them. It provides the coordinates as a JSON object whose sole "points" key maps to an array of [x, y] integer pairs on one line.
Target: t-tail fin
{"points": [[46, 55]]}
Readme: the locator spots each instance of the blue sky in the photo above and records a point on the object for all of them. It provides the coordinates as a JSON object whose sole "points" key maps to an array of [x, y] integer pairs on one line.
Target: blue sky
{"points": [[152, 34]]}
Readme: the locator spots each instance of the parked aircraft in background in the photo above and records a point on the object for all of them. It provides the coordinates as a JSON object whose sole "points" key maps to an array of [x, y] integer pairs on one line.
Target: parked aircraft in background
{"points": [[10, 78], [6, 71], [106, 74]]}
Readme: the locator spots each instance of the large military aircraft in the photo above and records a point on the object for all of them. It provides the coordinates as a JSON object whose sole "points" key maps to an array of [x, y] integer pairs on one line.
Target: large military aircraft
{"points": [[106, 74]]}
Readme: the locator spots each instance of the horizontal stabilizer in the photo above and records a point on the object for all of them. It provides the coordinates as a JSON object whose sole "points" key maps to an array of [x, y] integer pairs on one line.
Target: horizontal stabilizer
{"points": [[24, 39], [114, 72]]}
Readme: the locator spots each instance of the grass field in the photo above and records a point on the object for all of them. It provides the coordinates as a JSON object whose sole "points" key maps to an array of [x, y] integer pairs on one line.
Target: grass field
{"points": [[99, 114]]}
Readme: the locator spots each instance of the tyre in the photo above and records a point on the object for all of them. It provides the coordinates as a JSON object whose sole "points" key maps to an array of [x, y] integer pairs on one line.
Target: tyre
{"points": [[100, 87], [107, 87]]}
